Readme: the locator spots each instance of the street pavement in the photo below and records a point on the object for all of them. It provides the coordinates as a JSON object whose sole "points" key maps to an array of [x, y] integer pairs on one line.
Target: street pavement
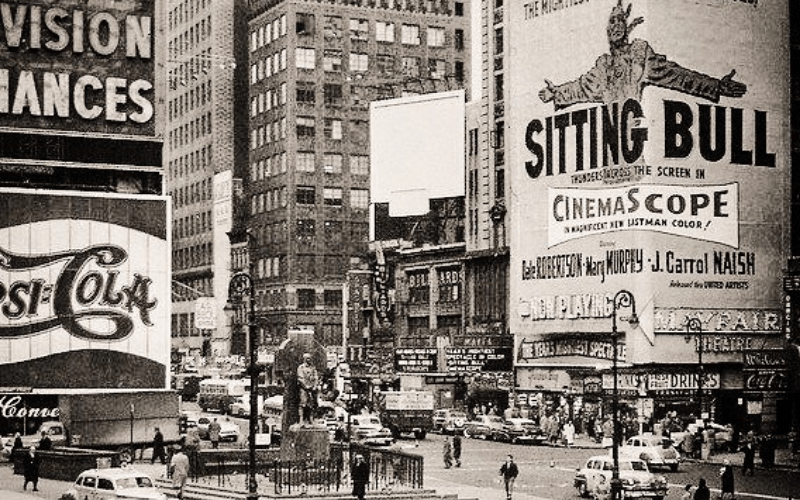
{"points": [[49, 489]]}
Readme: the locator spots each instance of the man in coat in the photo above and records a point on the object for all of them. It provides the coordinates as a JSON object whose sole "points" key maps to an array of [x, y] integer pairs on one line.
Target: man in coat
{"points": [[360, 475]]}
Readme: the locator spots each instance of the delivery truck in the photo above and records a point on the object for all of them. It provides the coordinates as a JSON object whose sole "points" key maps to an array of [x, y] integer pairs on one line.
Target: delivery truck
{"points": [[406, 412], [123, 421]]}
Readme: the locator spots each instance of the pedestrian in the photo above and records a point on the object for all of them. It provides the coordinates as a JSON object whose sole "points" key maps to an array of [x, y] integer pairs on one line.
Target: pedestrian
{"points": [[360, 475], [447, 453], [213, 433], [30, 469], [457, 449], [509, 471], [726, 476], [158, 448], [17, 442], [749, 461], [687, 492], [179, 469], [569, 433], [702, 492], [45, 443]]}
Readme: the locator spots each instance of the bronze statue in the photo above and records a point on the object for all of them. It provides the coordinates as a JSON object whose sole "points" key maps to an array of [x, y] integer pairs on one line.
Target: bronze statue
{"points": [[308, 387]]}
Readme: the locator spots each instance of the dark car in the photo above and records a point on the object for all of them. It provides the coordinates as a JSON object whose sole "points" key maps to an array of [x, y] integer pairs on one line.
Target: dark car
{"points": [[520, 431]]}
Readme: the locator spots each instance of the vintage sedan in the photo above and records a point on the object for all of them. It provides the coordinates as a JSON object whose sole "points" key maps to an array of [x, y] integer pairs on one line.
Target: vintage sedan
{"points": [[723, 436], [115, 483], [483, 427], [228, 430], [594, 479], [657, 451], [368, 429], [519, 430]]}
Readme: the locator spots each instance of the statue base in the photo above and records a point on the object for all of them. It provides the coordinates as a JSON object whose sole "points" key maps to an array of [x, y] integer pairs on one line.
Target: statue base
{"points": [[305, 442]]}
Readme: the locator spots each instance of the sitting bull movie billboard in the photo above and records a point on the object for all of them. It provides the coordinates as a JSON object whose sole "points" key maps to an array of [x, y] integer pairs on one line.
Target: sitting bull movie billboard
{"points": [[649, 152], [84, 290]]}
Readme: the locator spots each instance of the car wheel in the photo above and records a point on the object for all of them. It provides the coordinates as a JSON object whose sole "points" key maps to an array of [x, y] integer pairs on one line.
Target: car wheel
{"points": [[467, 434], [582, 490]]}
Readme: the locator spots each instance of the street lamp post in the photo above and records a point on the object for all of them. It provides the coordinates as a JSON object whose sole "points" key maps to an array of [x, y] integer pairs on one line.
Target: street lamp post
{"points": [[242, 284], [622, 298], [694, 325]]}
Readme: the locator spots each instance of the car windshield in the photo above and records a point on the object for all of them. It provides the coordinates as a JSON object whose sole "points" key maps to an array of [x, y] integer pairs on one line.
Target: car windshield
{"points": [[134, 482], [637, 466]]}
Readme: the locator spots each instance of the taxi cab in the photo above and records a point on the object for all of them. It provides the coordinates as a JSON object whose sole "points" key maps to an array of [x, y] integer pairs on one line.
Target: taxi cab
{"points": [[114, 483]]}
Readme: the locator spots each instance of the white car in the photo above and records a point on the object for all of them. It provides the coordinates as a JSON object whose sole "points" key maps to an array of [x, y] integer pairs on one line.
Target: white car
{"points": [[368, 429], [228, 430], [723, 436], [594, 479], [115, 483], [657, 451]]}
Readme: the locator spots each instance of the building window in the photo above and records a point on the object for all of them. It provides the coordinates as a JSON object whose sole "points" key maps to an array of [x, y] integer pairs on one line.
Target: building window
{"points": [[306, 195], [500, 183], [306, 298], [384, 32], [411, 67], [498, 41], [419, 326], [333, 27], [418, 287], [332, 163], [333, 298], [436, 69], [359, 198], [304, 24], [359, 62], [305, 161], [458, 39], [459, 9], [305, 92], [359, 164], [435, 36], [332, 60], [305, 126], [333, 94], [359, 29], [449, 281], [410, 34], [332, 196], [305, 58], [385, 64], [306, 231], [333, 129]]}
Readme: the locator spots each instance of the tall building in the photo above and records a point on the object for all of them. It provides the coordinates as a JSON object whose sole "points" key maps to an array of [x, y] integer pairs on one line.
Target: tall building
{"points": [[205, 148], [314, 69]]}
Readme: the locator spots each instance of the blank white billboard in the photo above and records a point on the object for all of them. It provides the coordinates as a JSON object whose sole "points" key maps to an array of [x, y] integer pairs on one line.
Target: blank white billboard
{"points": [[417, 150]]}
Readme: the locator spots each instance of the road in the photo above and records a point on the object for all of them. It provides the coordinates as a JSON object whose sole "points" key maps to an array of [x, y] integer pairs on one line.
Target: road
{"points": [[548, 472]]}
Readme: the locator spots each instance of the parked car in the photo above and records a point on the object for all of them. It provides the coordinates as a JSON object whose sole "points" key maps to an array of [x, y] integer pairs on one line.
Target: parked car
{"points": [[115, 483], [228, 430], [594, 479], [657, 451], [520, 431], [449, 421], [723, 436], [367, 429], [483, 427]]}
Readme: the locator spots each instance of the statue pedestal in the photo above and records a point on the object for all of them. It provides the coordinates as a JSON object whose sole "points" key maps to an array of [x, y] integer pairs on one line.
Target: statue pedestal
{"points": [[305, 442]]}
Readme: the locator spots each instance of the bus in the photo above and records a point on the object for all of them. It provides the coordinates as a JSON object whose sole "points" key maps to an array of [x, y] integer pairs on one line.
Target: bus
{"points": [[219, 394]]}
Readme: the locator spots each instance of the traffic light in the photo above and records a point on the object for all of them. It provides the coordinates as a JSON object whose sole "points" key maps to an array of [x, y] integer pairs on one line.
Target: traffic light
{"points": [[183, 424]]}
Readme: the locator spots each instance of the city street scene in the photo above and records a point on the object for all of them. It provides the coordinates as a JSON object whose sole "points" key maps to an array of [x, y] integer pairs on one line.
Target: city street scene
{"points": [[399, 249]]}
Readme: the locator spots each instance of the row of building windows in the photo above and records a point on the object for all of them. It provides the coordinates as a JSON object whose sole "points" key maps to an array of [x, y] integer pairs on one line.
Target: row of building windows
{"points": [[190, 289], [276, 198], [268, 201], [197, 255], [189, 132], [193, 161], [193, 36], [268, 133], [357, 132], [264, 168], [185, 11], [192, 225], [185, 102], [267, 100], [267, 33], [268, 66], [385, 65], [448, 284], [332, 163], [196, 192]]}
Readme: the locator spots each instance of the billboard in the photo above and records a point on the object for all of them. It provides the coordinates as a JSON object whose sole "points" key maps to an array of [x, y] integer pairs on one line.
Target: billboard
{"points": [[78, 67], [84, 290], [417, 151], [649, 152]]}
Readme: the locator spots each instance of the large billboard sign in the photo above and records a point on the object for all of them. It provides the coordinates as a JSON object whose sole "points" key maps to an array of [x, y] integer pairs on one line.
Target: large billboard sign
{"points": [[649, 152], [77, 66], [84, 290]]}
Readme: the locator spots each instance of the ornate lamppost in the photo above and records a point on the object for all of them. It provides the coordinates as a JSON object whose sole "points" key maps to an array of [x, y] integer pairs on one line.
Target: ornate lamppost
{"points": [[622, 298], [241, 284], [694, 325]]}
